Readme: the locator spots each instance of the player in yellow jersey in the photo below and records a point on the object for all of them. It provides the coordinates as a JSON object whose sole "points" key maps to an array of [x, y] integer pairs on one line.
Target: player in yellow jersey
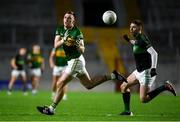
{"points": [[36, 63], [58, 63], [71, 38]]}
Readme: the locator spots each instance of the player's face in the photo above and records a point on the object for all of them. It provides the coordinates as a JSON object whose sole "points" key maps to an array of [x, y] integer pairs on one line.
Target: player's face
{"points": [[22, 51], [134, 29], [36, 49], [68, 20]]}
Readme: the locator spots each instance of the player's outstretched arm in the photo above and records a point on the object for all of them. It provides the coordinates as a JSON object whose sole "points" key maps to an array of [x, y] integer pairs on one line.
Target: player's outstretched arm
{"points": [[154, 58], [128, 39], [43, 65], [58, 41], [13, 63], [51, 57]]}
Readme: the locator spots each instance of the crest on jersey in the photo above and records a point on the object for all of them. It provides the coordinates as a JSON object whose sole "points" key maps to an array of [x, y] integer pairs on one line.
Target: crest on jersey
{"points": [[70, 41]]}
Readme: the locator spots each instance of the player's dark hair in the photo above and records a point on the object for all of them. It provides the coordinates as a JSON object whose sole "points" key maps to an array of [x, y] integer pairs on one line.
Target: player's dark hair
{"points": [[137, 22], [72, 13]]}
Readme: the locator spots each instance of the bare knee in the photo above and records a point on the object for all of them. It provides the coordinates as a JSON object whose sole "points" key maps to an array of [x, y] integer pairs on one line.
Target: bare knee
{"points": [[123, 87], [143, 99], [59, 85], [89, 87]]}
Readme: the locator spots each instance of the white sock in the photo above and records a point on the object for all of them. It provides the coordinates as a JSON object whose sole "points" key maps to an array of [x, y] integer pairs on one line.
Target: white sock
{"points": [[113, 76], [51, 108], [34, 91], [53, 95], [64, 97]]}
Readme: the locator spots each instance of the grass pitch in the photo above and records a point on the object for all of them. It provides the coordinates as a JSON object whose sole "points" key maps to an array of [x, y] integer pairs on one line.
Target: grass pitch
{"points": [[88, 106]]}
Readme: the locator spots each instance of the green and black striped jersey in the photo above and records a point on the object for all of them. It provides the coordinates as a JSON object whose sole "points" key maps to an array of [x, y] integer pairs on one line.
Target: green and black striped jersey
{"points": [[20, 61], [142, 57]]}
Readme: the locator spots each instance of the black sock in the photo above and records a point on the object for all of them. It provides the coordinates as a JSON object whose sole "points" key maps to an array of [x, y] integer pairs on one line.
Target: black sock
{"points": [[24, 88], [126, 100], [155, 92], [9, 89]]}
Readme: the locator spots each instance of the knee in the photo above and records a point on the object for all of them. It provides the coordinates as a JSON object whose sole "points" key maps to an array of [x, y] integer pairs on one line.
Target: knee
{"points": [[123, 87], [88, 87], [143, 99], [59, 84]]}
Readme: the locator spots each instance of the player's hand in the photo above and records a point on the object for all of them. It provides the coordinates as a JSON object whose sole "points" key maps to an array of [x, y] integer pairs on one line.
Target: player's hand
{"points": [[52, 66], [42, 70], [153, 72], [77, 43], [126, 38], [14, 67], [65, 36]]}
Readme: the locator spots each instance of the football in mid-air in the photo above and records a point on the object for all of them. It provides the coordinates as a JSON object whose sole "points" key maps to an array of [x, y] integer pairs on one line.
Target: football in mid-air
{"points": [[109, 17]]}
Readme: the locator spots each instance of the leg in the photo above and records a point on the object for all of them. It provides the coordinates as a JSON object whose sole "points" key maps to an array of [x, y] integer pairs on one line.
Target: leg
{"points": [[54, 82], [65, 91], [11, 83], [55, 79], [35, 83], [147, 96], [126, 94], [91, 83], [62, 81], [131, 82], [24, 81], [143, 94]]}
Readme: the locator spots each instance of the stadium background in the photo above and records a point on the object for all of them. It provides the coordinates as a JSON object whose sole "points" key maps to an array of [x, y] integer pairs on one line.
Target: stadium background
{"points": [[25, 22]]}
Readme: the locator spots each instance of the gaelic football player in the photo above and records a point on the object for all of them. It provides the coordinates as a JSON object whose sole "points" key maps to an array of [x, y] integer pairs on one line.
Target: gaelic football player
{"points": [[36, 63], [71, 38], [18, 70], [145, 73]]}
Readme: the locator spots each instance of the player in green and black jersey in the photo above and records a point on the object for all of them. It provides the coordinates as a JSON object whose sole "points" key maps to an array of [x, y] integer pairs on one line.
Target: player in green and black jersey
{"points": [[36, 64], [71, 38], [18, 69], [145, 73]]}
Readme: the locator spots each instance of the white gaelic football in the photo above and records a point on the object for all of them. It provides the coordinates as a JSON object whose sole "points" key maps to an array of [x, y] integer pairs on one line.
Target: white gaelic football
{"points": [[109, 17]]}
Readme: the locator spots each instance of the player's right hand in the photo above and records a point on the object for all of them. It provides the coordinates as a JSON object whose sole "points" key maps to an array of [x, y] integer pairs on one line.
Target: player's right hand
{"points": [[52, 66], [77, 43], [153, 72], [126, 38], [65, 36]]}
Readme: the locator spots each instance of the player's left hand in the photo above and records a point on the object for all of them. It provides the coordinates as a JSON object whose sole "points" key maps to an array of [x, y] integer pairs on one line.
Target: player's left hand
{"points": [[42, 70], [77, 43], [153, 72], [126, 38]]}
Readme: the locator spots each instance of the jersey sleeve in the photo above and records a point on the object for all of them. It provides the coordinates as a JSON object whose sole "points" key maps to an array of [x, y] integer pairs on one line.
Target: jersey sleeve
{"points": [[57, 31], [79, 35], [147, 41]]}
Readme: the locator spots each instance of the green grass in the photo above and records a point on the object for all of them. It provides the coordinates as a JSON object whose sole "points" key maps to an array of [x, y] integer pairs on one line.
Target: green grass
{"points": [[88, 106]]}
